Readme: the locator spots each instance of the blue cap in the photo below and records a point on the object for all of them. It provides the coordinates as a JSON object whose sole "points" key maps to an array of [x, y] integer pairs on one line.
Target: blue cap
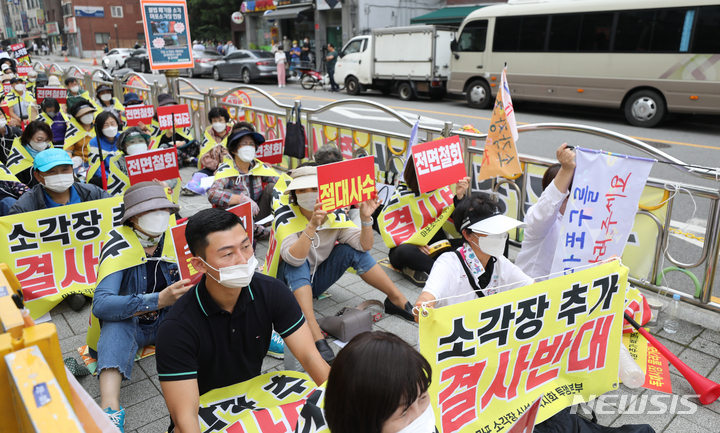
{"points": [[50, 158]]}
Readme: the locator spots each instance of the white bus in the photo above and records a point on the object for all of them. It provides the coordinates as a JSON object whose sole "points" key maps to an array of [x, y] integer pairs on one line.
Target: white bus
{"points": [[646, 57]]}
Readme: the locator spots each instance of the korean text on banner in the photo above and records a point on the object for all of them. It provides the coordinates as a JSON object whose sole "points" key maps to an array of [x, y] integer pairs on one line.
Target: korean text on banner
{"points": [[495, 355], [438, 163], [166, 113], [140, 114], [508, 107], [411, 219], [7, 88], [182, 252], [244, 211], [284, 401], [160, 164], [54, 252], [21, 54], [271, 151], [57, 93], [24, 70], [167, 34], [346, 183], [500, 157], [601, 208]]}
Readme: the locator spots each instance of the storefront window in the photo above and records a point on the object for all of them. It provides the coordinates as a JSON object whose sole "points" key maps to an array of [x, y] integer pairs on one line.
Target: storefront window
{"points": [[264, 35]]}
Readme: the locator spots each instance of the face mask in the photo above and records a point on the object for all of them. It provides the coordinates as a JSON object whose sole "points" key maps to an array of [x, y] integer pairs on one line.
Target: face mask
{"points": [[235, 277], [3, 121], [59, 182], [38, 145], [219, 126], [51, 114], [110, 131], [74, 89], [155, 223], [106, 97], [147, 241], [86, 119], [32, 80], [247, 153], [425, 423], [134, 149], [492, 245], [307, 200], [20, 88]]}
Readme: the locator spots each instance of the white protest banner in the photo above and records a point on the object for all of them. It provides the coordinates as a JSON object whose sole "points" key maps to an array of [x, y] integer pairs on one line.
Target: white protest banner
{"points": [[601, 208]]}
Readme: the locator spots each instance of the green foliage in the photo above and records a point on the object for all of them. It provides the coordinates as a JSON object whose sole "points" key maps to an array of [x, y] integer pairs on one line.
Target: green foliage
{"points": [[210, 19]]}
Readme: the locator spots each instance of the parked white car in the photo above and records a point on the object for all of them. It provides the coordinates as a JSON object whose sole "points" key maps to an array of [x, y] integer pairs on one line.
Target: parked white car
{"points": [[115, 58]]}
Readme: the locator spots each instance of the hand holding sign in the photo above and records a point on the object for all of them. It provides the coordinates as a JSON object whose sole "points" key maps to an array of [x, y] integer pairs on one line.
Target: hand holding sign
{"points": [[318, 216], [438, 163], [367, 208]]}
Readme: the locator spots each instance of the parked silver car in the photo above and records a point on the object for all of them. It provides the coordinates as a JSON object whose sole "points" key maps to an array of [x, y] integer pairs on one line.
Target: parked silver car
{"points": [[247, 65], [204, 61]]}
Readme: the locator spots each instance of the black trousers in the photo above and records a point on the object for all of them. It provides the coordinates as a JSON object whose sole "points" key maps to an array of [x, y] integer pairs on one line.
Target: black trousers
{"points": [[410, 256]]}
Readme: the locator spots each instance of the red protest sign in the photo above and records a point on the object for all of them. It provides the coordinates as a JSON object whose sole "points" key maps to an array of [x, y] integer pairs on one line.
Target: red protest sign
{"points": [[137, 114], [347, 182], [57, 93], [271, 151], [181, 113], [182, 252], [244, 211], [438, 163], [23, 70], [160, 164], [7, 88]]}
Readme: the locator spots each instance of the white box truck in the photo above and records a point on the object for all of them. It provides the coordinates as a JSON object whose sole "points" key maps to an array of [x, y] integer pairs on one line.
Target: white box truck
{"points": [[407, 60]]}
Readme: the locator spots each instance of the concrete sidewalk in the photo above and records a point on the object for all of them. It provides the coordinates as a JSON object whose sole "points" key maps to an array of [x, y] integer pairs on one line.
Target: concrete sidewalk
{"points": [[146, 411]]}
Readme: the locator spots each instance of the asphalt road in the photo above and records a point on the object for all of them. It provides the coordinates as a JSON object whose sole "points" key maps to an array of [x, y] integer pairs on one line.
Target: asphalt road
{"points": [[692, 139]]}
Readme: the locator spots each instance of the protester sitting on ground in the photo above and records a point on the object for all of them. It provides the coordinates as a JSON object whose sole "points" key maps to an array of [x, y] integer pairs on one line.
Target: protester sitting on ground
{"points": [[104, 98], [132, 302], [53, 81], [132, 142], [80, 132], [36, 137], [217, 334], [20, 101], [106, 136], [32, 78], [478, 268], [413, 260], [131, 98], [76, 94], [379, 384], [249, 180], [10, 190], [51, 114], [8, 134], [187, 148], [315, 256], [219, 128], [544, 218]]}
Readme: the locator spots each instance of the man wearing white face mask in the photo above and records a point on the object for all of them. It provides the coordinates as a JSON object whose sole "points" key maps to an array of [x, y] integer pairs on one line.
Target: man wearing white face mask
{"points": [[53, 169], [217, 334], [135, 289], [478, 268], [20, 101]]}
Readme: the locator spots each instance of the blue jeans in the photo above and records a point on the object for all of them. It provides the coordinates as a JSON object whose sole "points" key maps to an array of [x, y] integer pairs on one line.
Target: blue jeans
{"points": [[119, 341], [6, 204], [343, 256]]}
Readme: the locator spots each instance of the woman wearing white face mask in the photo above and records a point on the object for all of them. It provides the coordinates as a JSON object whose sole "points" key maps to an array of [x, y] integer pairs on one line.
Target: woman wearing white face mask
{"points": [[20, 101], [132, 142], [104, 98], [247, 180], [80, 130], [478, 268], [220, 126], [36, 137], [106, 137], [379, 384], [132, 301]]}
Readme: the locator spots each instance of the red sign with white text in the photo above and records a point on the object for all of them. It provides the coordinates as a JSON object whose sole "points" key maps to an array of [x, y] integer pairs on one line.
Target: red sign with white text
{"points": [[438, 163], [182, 252], [271, 151], [7, 88], [137, 114], [181, 113], [244, 211], [57, 93], [346, 183], [23, 70], [160, 164]]}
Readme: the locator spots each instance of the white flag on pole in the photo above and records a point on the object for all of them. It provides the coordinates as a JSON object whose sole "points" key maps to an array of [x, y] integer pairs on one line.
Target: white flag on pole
{"points": [[508, 105]]}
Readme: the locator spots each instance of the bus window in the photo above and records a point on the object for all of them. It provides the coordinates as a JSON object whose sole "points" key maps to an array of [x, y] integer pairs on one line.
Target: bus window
{"points": [[595, 32], [634, 31], [473, 37], [670, 28], [564, 33], [533, 32], [507, 34], [706, 40]]}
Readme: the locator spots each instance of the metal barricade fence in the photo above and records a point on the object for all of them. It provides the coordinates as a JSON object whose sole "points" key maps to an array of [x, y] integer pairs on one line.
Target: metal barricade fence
{"points": [[388, 148]]}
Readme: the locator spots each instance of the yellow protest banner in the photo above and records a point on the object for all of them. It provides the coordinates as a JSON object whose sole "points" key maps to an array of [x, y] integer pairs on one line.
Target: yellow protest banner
{"points": [[54, 252], [273, 402], [493, 356], [500, 157], [19, 159]]}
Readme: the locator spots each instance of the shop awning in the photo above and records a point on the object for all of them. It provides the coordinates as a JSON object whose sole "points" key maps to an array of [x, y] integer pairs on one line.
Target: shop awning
{"points": [[291, 12], [452, 16]]}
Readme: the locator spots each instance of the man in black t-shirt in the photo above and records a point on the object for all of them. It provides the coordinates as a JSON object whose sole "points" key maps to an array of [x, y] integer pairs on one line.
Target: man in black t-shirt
{"points": [[218, 333]]}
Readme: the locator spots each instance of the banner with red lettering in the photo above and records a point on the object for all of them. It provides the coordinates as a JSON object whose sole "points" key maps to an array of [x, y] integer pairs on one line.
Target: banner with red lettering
{"points": [[244, 211], [24, 70], [500, 157], [21, 54], [438, 163], [160, 164], [137, 114], [653, 363], [57, 93], [181, 113], [182, 252], [493, 356], [346, 183], [271, 151], [601, 208]]}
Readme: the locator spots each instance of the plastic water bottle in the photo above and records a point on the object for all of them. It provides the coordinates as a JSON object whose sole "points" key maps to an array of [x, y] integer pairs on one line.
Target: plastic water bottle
{"points": [[671, 324], [291, 363], [630, 373]]}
